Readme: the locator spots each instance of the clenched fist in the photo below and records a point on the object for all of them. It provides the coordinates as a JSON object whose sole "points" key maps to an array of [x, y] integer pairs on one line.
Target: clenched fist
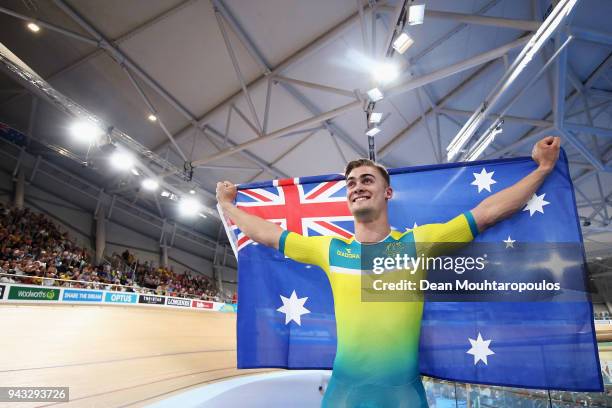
{"points": [[226, 192], [546, 152]]}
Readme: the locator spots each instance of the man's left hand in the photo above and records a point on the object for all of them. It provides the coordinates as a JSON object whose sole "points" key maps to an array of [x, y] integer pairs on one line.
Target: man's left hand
{"points": [[546, 152]]}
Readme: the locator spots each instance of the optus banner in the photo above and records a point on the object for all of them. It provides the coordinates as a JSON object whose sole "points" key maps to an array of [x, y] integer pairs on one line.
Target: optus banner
{"points": [[29, 293], [120, 297]]}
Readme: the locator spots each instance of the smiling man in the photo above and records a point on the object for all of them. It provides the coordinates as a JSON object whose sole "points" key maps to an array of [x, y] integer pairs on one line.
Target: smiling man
{"points": [[376, 362]]}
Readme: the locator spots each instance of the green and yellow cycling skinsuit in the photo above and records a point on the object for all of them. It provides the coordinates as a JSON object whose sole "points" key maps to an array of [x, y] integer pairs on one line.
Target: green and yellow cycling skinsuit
{"points": [[376, 362]]}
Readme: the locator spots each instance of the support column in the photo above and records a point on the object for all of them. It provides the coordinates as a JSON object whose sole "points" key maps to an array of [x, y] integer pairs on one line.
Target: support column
{"points": [[163, 255], [100, 218], [19, 190]]}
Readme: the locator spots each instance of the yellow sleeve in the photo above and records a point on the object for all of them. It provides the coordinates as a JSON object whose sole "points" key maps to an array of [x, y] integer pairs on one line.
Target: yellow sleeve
{"points": [[309, 250], [460, 230]]}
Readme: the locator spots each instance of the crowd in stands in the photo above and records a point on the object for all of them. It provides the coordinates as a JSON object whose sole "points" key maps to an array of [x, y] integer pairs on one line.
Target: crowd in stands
{"points": [[33, 250]]}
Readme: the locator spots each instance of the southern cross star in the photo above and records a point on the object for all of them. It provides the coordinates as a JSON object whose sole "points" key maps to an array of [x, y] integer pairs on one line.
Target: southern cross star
{"points": [[293, 308]]}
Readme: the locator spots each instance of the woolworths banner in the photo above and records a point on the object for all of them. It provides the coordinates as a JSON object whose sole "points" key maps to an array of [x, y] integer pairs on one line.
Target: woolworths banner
{"points": [[37, 294], [33, 293]]}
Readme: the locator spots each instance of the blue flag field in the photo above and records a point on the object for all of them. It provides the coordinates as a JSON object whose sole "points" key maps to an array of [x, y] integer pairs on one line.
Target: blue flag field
{"points": [[286, 309]]}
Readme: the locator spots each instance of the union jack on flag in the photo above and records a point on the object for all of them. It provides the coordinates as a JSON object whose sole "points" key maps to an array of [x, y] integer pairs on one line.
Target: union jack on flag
{"points": [[298, 206]]}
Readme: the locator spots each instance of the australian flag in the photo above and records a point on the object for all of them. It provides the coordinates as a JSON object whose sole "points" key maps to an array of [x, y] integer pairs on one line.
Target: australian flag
{"points": [[286, 312]]}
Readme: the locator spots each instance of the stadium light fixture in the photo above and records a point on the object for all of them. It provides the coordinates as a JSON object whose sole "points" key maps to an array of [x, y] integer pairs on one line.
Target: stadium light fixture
{"points": [[150, 184], [416, 14], [402, 43], [135, 171], [375, 94], [189, 207], [385, 72], [85, 131], [192, 192], [372, 132], [122, 160], [152, 117], [375, 117], [165, 194], [33, 27]]}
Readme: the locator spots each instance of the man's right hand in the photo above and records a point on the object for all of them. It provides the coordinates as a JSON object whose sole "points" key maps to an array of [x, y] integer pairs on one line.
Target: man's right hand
{"points": [[226, 192], [256, 228]]}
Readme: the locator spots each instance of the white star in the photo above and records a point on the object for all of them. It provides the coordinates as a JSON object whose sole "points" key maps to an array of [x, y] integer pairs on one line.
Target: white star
{"points": [[483, 180], [509, 242], [413, 227], [536, 203], [556, 264], [293, 308], [480, 349]]}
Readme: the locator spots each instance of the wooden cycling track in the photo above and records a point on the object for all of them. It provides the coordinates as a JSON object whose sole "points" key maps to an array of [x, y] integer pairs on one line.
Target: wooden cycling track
{"points": [[114, 356]]}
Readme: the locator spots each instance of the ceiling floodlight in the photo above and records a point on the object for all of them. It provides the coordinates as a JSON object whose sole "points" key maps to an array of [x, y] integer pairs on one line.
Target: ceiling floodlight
{"points": [[385, 72], [135, 171], [84, 131], [375, 117], [192, 192], [372, 132], [152, 117], [150, 184], [165, 193], [122, 160], [416, 14], [402, 43], [33, 27], [189, 207], [375, 94], [202, 215]]}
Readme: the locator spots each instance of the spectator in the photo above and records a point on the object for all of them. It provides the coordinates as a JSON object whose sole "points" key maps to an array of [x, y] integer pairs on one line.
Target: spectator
{"points": [[33, 250]]}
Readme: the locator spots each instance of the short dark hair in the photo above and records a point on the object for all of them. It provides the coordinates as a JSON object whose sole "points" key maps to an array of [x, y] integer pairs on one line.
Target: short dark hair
{"points": [[353, 164]]}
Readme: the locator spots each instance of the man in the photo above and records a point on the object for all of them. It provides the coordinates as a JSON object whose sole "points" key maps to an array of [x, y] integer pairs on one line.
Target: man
{"points": [[376, 362]]}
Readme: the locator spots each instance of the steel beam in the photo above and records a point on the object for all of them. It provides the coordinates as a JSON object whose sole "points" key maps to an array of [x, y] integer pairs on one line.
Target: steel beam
{"points": [[603, 132], [559, 83], [153, 111], [592, 35], [507, 118], [583, 149], [210, 130], [553, 22], [524, 25], [320, 42], [455, 68], [387, 148], [281, 132], [50, 26], [319, 87], [230, 51], [118, 40], [529, 136], [118, 55]]}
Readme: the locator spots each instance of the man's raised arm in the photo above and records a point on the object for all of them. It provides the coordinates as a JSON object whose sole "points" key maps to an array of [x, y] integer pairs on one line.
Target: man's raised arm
{"points": [[256, 228], [510, 200]]}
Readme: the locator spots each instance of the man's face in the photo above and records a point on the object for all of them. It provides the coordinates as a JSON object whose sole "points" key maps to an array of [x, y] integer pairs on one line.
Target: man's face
{"points": [[367, 193]]}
